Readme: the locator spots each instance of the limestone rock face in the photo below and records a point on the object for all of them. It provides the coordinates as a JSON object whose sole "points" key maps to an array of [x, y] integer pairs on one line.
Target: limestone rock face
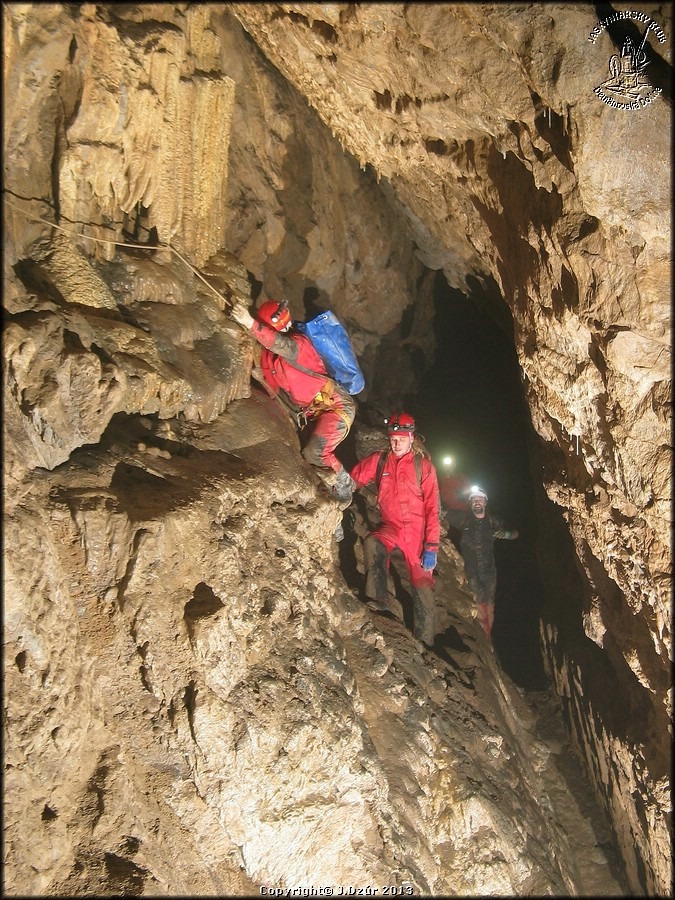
{"points": [[200, 706], [484, 123], [138, 114], [190, 683]]}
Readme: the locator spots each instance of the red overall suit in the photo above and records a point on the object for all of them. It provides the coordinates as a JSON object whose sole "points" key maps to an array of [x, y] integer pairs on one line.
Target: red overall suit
{"points": [[316, 396], [410, 522], [454, 491]]}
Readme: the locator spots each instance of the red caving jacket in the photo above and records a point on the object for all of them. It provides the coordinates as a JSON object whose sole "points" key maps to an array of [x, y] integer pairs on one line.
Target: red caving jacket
{"points": [[275, 362], [409, 510], [454, 490]]}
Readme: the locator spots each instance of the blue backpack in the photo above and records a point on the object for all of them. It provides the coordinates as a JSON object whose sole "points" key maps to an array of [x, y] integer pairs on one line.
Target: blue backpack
{"points": [[331, 341]]}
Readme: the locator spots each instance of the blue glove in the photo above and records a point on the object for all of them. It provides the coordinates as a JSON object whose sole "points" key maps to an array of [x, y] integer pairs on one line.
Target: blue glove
{"points": [[429, 559]]}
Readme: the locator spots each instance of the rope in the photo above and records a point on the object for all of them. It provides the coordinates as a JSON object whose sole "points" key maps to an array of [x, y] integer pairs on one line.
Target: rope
{"points": [[128, 246]]}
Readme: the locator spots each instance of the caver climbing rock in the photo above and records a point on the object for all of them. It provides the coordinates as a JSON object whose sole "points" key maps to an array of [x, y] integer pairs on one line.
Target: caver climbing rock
{"points": [[407, 496], [478, 530], [290, 365]]}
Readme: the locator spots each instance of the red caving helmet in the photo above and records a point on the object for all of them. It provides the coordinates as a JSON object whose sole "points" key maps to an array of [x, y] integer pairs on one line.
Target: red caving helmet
{"points": [[400, 422], [274, 314]]}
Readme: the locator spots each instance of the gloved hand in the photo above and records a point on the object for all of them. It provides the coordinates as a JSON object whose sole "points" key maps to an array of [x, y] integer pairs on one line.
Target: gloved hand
{"points": [[506, 535], [343, 488], [429, 560], [241, 315]]}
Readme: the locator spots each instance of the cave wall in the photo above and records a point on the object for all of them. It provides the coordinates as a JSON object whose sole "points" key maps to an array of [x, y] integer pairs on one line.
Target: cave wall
{"points": [[493, 145], [167, 121]]}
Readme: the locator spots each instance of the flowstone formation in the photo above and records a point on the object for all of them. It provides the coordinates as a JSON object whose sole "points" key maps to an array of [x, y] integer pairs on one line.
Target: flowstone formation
{"points": [[190, 684]]}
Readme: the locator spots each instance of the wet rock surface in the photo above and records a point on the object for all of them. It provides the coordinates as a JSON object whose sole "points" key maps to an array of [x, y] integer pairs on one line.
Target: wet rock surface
{"points": [[192, 678]]}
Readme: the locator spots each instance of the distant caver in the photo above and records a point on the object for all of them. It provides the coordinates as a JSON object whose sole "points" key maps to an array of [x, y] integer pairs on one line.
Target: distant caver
{"points": [[478, 530]]}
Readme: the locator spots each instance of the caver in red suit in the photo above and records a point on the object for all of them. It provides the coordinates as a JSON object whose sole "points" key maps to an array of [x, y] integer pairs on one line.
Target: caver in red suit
{"points": [[407, 495], [290, 364], [454, 491]]}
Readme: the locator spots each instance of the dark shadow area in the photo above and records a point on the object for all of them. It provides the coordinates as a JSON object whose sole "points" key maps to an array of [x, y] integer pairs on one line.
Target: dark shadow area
{"points": [[347, 554], [449, 647], [315, 302], [450, 639], [471, 405]]}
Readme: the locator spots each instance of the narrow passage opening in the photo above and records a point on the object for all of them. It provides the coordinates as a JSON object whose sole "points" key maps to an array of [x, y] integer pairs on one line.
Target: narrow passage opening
{"points": [[471, 405]]}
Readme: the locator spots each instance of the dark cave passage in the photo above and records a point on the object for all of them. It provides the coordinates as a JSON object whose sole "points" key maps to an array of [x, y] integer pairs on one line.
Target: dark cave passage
{"points": [[470, 405]]}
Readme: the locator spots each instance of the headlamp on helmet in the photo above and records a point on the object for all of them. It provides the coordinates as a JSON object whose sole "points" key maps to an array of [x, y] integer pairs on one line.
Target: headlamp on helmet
{"points": [[477, 492], [400, 422], [275, 314]]}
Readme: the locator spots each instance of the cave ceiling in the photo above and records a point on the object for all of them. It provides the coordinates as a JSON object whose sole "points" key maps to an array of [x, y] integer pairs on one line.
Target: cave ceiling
{"points": [[161, 158]]}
